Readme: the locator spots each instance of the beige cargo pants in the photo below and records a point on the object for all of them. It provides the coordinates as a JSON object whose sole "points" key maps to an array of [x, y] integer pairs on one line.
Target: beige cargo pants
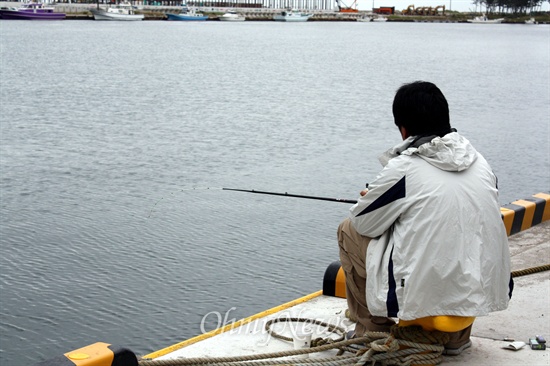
{"points": [[353, 252]]}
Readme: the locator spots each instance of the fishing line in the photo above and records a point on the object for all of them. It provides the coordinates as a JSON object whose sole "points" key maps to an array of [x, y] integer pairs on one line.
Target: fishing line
{"points": [[183, 190], [285, 194]]}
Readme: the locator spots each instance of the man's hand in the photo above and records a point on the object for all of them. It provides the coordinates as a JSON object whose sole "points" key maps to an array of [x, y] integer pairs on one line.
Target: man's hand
{"points": [[364, 192]]}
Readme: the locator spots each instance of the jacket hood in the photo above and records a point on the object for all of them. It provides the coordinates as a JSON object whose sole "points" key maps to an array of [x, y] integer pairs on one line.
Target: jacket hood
{"points": [[452, 152]]}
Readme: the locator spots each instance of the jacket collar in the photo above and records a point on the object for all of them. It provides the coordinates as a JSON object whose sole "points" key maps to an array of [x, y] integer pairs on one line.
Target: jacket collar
{"points": [[422, 139]]}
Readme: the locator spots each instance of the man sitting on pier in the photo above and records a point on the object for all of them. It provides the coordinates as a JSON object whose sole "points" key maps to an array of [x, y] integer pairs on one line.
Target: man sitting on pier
{"points": [[427, 239]]}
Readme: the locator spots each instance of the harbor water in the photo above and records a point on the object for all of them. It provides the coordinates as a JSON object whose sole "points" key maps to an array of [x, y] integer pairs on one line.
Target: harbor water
{"points": [[116, 139]]}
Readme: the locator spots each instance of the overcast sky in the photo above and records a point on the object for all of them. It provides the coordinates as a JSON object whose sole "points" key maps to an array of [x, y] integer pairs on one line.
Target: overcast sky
{"points": [[457, 5]]}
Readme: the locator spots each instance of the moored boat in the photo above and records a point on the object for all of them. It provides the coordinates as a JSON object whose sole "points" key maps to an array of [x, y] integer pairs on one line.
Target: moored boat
{"points": [[122, 11], [484, 20], [379, 19], [187, 14], [531, 21], [292, 15], [31, 11], [365, 19], [368, 18], [232, 16]]}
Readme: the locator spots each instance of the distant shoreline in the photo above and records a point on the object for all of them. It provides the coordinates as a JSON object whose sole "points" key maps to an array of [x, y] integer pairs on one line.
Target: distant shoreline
{"points": [[158, 12]]}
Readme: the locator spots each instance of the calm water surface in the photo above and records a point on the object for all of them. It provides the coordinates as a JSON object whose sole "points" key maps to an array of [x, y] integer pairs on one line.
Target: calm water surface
{"points": [[111, 134]]}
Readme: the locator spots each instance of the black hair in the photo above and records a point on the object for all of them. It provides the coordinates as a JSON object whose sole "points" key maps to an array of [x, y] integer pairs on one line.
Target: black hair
{"points": [[421, 108]]}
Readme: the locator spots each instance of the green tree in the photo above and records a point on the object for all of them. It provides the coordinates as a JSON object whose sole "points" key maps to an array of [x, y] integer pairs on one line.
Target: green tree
{"points": [[510, 6]]}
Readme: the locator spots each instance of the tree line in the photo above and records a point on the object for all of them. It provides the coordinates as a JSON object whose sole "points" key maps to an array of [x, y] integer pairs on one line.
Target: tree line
{"points": [[511, 6]]}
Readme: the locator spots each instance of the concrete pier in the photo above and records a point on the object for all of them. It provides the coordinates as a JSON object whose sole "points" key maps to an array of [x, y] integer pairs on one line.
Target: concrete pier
{"points": [[526, 317]]}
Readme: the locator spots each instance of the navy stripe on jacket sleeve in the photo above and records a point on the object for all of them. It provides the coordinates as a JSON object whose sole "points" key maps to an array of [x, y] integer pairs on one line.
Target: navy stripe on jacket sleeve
{"points": [[396, 192]]}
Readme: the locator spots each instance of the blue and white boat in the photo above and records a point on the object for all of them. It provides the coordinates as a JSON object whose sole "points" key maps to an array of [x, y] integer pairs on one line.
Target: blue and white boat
{"points": [[187, 14]]}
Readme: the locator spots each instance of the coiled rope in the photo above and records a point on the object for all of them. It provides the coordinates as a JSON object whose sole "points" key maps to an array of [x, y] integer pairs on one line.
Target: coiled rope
{"points": [[403, 346], [315, 342], [381, 347]]}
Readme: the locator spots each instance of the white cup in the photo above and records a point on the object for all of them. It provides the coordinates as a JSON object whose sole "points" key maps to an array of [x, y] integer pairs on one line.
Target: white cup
{"points": [[302, 340]]}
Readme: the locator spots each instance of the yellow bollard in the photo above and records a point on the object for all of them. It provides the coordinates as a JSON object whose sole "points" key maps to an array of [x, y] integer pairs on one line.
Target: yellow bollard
{"points": [[97, 354], [442, 323]]}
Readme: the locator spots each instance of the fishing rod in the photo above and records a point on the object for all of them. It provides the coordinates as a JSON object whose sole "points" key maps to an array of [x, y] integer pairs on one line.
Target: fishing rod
{"points": [[343, 200]]}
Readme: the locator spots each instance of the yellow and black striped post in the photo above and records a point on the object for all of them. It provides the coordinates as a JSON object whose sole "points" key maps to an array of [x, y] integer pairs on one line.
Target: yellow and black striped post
{"points": [[97, 354], [517, 216], [522, 214]]}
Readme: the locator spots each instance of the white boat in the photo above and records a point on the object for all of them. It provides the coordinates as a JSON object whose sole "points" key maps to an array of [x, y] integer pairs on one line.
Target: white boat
{"points": [[484, 20], [370, 18], [531, 21], [187, 14], [232, 16], [365, 19], [122, 11], [379, 19], [292, 16]]}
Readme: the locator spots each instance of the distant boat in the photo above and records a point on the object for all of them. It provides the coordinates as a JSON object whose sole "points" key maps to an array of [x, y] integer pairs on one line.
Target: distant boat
{"points": [[484, 20], [292, 16], [380, 19], [232, 16], [531, 21], [365, 18], [187, 14], [31, 11], [122, 11]]}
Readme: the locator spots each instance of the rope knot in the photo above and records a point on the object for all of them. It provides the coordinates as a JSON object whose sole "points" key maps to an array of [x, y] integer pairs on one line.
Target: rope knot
{"points": [[403, 345], [321, 341], [389, 344]]}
